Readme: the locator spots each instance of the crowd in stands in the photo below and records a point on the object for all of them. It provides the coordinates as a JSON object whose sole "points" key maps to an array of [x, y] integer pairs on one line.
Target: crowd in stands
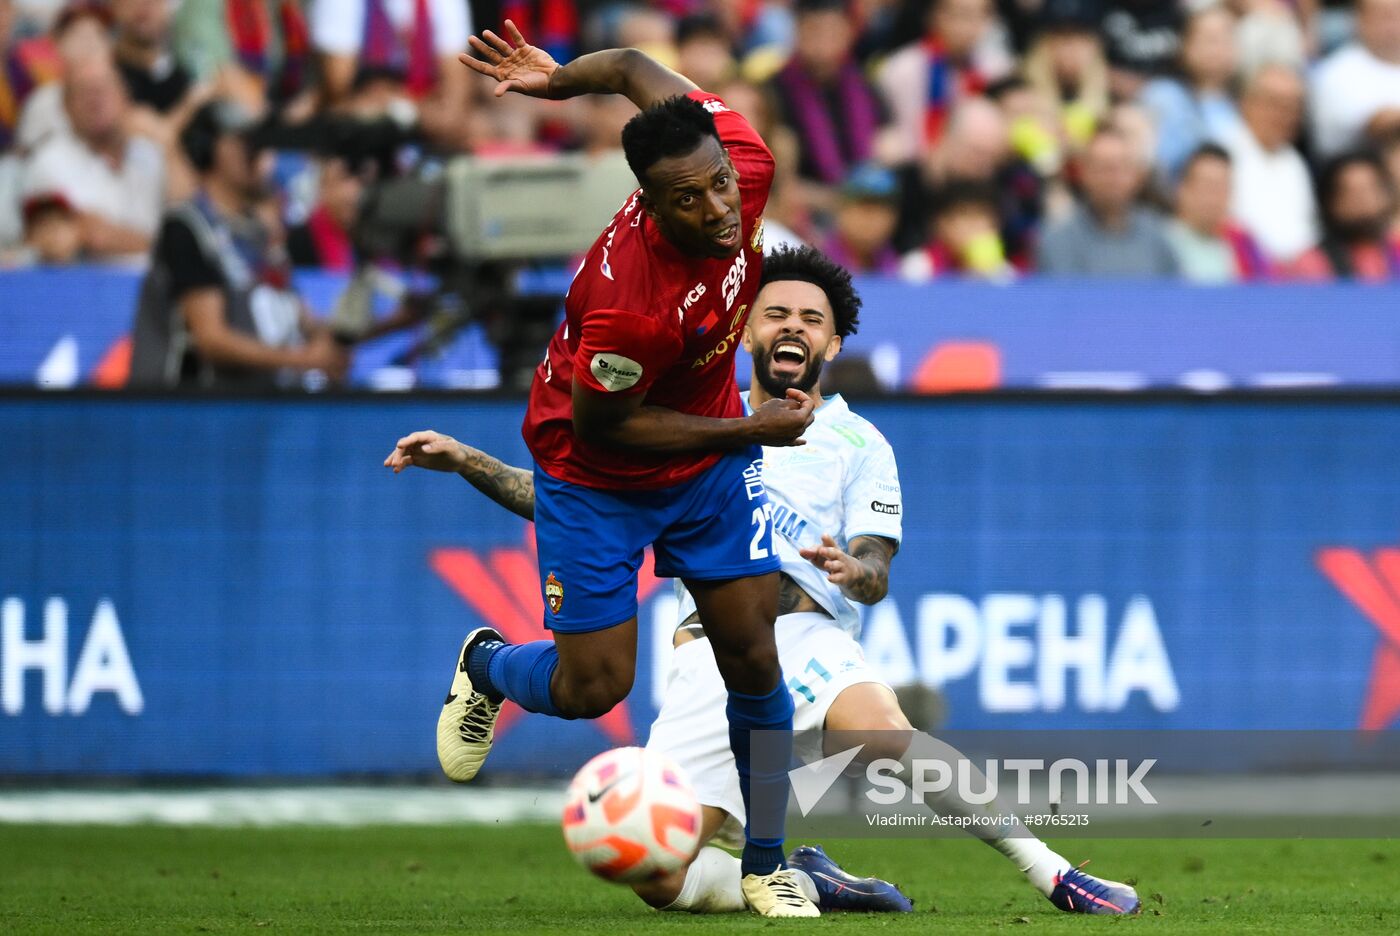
{"points": [[1214, 140]]}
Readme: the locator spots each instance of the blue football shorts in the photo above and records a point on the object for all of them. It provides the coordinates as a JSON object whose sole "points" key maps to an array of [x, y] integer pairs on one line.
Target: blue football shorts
{"points": [[591, 542]]}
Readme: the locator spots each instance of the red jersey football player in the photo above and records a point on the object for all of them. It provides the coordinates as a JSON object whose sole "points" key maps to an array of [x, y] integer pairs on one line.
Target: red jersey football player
{"points": [[639, 438]]}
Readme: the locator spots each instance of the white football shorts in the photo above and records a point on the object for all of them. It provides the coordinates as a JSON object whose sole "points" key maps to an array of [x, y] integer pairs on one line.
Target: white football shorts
{"points": [[819, 661]]}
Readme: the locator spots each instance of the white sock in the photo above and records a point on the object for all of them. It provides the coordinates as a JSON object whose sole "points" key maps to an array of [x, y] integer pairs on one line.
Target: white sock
{"points": [[711, 884], [1010, 836]]}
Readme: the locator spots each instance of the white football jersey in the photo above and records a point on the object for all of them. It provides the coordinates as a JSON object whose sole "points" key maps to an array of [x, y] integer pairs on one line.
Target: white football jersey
{"points": [[843, 482]]}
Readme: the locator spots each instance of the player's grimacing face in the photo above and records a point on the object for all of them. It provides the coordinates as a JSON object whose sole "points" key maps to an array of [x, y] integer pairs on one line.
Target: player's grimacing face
{"points": [[791, 333], [694, 201]]}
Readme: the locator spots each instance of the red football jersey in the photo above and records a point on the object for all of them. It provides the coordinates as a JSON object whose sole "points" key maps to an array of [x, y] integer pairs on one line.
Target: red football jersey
{"points": [[642, 318]]}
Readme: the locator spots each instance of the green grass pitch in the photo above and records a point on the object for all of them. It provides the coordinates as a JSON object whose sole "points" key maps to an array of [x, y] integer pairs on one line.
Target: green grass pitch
{"points": [[518, 879]]}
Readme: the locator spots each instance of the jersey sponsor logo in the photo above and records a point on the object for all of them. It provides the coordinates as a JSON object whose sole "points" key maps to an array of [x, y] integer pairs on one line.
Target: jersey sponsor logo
{"points": [[788, 523], [881, 507], [718, 351], [554, 593], [615, 372], [734, 280], [696, 293]]}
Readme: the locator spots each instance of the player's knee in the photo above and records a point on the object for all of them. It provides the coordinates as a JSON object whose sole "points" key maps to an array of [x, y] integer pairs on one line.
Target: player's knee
{"points": [[595, 697], [885, 739], [661, 893], [752, 668]]}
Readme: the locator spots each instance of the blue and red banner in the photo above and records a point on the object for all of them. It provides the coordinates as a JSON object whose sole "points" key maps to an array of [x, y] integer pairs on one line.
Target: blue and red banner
{"points": [[231, 587]]}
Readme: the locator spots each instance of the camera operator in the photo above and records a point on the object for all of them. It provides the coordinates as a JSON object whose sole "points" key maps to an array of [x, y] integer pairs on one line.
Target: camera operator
{"points": [[217, 308]]}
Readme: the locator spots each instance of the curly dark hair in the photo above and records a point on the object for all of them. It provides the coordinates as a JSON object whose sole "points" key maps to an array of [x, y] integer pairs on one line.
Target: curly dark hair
{"points": [[674, 127], [809, 265]]}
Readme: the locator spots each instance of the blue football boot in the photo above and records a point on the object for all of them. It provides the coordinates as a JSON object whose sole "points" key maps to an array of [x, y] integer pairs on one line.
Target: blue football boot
{"points": [[1077, 892], [837, 890]]}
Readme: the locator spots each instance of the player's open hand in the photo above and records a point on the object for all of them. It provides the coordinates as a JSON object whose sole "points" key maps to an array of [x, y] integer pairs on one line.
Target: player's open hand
{"points": [[427, 449], [782, 422], [842, 569], [515, 65]]}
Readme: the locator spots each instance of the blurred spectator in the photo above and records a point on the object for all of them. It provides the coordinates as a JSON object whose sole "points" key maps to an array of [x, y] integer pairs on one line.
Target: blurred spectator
{"points": [[962, 237], [1208, 248], [1109, 233], [702, 51], [24, 66], [1270, 32], [324, 239], [1273, 192], [411, 45], [1358, 205], [114, 180], [603, 117], [924, 81], [1197, 107], [1143, 39], [161, 91], [53, 233], [1066, 66], [552, 25], [1356, 90], [256, 52], [823, 96], [154, 79], [865, 221], [217, 308], [977, 148], [1389, 152], [80, 35], [1032, 123]]}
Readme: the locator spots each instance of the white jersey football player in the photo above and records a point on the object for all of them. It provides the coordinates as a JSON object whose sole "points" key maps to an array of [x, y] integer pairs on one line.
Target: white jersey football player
{"points": [[837, 510]]}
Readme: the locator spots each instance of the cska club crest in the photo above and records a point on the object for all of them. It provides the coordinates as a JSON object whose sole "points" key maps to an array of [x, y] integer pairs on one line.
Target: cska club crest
{"points": [[554, 593]]}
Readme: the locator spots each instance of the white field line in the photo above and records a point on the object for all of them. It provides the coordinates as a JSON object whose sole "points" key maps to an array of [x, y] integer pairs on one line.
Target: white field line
{"points": [[274, 806]]}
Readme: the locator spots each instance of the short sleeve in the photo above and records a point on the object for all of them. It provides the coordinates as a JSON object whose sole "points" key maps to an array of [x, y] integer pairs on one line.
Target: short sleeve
{"points": [[623, 352], [178, 252], [746, 148], [873, 501]]}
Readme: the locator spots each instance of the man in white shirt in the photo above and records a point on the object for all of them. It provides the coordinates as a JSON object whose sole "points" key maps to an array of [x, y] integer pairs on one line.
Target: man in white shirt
{"points": [[116, 182], [837, 516], [1273, 192], [1356, 90]]}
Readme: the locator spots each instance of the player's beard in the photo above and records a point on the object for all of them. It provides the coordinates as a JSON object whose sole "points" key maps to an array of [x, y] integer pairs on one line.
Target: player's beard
{"points": [[777, 385]]}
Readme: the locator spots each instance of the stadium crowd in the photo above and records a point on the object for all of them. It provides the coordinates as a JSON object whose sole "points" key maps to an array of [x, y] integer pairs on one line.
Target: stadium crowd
{"points": [[1215, 140]]}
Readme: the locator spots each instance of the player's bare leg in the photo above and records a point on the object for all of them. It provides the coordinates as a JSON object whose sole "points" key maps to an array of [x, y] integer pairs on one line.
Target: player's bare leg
{"points": [[738, 618], [869, 712]]}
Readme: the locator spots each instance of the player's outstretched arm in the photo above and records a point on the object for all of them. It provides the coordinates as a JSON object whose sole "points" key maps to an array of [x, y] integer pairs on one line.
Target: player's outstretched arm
{"points": [[517, 66], [628, 422], [863, 574], [513, 488]]}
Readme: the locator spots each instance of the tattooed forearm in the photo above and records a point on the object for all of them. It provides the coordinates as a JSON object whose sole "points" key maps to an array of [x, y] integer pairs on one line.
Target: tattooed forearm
{"points": [[512, 488], [872, 583]]}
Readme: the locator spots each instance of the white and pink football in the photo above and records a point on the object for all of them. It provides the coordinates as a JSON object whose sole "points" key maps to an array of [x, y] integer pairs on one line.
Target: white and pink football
{"points": [[631, 815]]}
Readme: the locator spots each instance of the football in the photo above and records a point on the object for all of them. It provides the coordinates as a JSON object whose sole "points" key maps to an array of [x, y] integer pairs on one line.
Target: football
{"points": [[630, 815]]}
